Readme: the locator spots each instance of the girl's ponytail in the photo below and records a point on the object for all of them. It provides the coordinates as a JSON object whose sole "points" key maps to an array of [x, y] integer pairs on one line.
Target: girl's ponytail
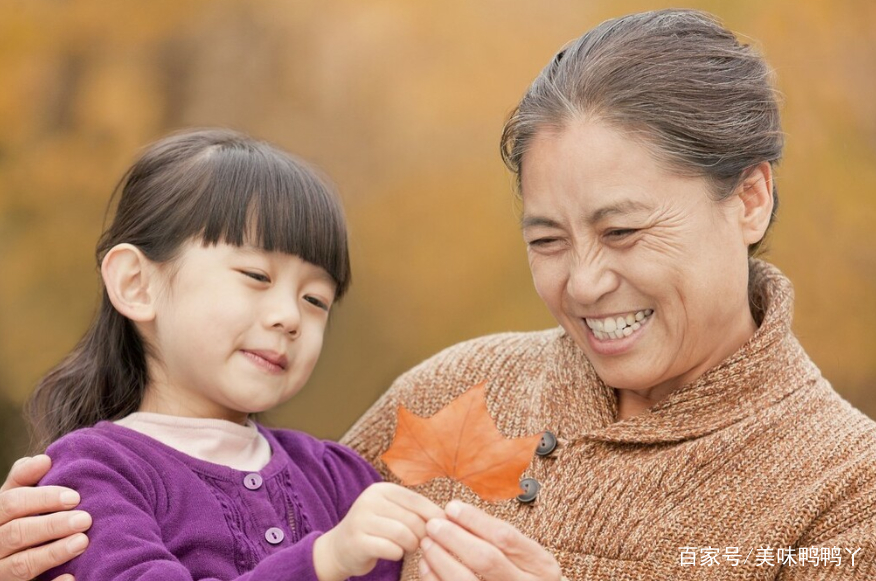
{"points": [[103, 378]]}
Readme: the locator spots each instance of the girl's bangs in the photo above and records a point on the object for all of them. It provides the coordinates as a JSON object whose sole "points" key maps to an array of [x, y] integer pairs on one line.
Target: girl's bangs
{"points": [[259, 197]]}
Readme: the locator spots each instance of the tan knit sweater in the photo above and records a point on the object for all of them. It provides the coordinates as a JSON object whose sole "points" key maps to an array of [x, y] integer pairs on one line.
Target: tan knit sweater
{"points": [[758, 454]]}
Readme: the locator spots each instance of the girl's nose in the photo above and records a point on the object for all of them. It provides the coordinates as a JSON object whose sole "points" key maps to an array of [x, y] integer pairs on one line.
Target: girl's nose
{"points": [[284, 315]]}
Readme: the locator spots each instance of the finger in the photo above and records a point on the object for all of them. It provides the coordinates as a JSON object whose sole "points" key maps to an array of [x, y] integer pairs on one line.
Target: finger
{"points": [[381, 548], [519, 548], [475, 553], [394, 531], [65, 577], [32, 531], [13, 473], [27, 472], [436, 564], [411, 520], [412, 501], [26, 501], [28, 564]]}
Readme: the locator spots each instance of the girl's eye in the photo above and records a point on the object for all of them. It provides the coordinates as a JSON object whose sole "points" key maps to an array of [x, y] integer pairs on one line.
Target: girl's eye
{"points": [[317, 302], [256, 276]]}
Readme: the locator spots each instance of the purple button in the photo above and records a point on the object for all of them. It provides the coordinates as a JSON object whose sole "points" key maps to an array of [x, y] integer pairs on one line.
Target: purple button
{"points": [[274, 535], [253, 481]]}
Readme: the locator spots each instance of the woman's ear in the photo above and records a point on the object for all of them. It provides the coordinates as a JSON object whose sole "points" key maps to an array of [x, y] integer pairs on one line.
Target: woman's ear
{"points": [[129, 278], [756, 193]]}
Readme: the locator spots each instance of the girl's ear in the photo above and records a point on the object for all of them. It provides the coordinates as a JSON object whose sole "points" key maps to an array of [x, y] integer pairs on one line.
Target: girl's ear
{"points": [[756, 193], [129, 278]]}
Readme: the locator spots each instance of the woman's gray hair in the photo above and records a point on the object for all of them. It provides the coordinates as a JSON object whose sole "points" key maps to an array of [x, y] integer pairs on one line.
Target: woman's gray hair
{"points": [[703, 102]]}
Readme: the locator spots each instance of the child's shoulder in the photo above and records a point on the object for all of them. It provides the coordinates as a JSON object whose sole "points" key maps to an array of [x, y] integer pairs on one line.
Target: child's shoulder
{"points": [[106, 445], [301, 444], [100, 440]]}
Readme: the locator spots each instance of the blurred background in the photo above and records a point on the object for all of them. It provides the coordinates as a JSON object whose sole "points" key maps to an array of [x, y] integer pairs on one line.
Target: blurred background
{"points": [[401, 102]]}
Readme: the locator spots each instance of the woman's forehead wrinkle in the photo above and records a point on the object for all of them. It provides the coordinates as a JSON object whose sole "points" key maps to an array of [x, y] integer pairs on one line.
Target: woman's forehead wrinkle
{"points": [[589, 217], [619, 208]]}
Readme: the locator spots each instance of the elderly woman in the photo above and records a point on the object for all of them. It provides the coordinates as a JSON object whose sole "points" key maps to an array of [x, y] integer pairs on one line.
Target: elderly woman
{"points": [[687, 434]]}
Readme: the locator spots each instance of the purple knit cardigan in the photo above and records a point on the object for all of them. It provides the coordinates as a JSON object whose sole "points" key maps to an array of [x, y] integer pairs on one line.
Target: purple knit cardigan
{"points": [[162, 515]]}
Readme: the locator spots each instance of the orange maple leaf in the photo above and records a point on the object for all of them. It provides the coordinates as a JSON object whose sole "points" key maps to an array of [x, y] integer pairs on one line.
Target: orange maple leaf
{"points": [[461, 442]]}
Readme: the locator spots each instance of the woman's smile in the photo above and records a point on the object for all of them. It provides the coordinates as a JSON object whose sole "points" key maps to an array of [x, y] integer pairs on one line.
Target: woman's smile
{"points": [[618, 326], [616, 335]]}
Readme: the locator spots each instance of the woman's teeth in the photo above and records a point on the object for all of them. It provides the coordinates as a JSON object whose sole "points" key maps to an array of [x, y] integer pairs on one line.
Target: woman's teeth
{"points": [[619, 326]]}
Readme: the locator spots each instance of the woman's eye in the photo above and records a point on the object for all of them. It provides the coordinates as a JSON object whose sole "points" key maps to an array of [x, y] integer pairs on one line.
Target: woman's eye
{"points": [[542, 241], [256, 276], [620, 232], [317, 302]]}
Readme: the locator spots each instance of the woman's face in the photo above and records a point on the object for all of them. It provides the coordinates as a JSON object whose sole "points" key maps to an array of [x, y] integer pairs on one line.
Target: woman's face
{"points": [[638, 264]]}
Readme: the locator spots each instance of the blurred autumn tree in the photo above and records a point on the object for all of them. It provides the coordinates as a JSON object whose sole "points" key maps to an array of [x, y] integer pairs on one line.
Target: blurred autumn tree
{"points": [[402, 104]]}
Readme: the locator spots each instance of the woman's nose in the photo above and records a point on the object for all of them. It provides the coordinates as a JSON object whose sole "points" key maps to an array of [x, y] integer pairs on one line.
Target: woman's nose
{"points": [[589, 280]]}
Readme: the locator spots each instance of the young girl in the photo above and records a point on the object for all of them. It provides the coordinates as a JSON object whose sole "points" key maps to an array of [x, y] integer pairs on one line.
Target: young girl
{"points": [[219, 271]]}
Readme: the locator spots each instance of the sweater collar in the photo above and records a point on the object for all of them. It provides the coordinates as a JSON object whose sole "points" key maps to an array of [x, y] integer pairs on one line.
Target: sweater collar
{"points": [[768, 368], [237, 446]]}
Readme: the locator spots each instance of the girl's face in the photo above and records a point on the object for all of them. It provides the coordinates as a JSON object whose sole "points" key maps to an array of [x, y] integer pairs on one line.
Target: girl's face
{"points": [[237, 331]]}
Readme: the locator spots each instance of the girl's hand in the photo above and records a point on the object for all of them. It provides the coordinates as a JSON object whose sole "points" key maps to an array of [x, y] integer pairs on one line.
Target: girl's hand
{"points": [[26, 529], [385, 522], [485, 546]]}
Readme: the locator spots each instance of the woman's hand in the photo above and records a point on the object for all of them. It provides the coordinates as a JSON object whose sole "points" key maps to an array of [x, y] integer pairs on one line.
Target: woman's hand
{"points": [[23, 554], [385, 522], [485, 546]]}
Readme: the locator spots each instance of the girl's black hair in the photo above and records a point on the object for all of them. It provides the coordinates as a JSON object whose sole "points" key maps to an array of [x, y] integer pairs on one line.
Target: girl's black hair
{"points": [[212, 185]]}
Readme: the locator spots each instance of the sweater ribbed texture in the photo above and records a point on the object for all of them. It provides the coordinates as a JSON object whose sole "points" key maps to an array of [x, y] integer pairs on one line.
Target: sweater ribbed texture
{"points": [[757, 454]]}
